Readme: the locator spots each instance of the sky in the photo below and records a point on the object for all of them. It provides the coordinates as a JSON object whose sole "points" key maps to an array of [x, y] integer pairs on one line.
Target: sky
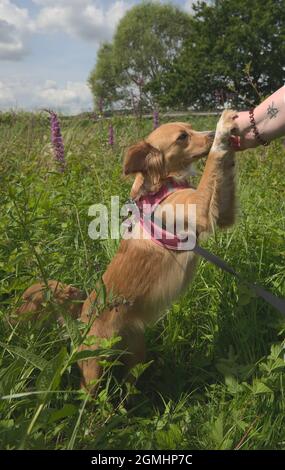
{"points": [[48, 48]]}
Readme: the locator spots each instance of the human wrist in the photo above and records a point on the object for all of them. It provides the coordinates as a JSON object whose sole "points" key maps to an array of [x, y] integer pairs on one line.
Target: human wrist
{"points": [[254, 129], [242, 122]]}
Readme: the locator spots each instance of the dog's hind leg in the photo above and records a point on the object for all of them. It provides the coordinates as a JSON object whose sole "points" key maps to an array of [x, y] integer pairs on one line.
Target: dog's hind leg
{"points": [[111, 323]]}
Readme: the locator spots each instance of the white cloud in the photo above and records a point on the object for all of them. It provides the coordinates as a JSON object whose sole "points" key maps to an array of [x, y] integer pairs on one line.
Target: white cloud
{"points": [[14, 15], [72, 98], [15, 26], [7, 98], [89, 20], [188, 6], [84, 19], [62, 2], [80, 18], [11, 42]]}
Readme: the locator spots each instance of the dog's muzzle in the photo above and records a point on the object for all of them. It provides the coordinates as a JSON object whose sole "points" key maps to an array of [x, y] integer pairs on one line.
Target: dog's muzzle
{"points": [[209, 134]]}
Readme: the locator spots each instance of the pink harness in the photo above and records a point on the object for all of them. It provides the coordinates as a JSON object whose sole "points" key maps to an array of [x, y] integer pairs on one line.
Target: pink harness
{"points": [[147, 205]]}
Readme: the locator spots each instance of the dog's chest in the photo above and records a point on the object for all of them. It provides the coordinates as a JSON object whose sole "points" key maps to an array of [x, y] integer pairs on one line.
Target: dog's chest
{"points": [[177, 270], [164, 273]]}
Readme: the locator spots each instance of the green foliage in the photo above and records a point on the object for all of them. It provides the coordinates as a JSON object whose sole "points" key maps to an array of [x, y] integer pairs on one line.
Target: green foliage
{"points": [[215, 372], [104, 80], [146, 43], [235, 49], [229, 50]]}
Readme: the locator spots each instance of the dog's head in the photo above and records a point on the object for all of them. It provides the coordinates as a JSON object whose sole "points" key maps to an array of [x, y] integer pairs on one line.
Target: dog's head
{"points": [[167, 152]]}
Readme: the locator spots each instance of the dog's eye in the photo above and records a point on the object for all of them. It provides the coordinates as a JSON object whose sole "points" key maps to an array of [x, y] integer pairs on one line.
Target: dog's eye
{"points": [[183, 137]]}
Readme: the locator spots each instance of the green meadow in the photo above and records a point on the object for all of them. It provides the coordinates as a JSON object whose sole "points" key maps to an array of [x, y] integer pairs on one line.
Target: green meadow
{"points": [[215, 376]]}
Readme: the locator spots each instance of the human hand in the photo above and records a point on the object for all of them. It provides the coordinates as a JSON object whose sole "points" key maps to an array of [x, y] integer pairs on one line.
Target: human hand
{"points": [[243, 142]]}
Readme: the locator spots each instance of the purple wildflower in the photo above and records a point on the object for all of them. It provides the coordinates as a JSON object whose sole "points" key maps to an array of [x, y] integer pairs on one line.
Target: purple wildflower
{"points": [[155, 119], [111, 135], [57, 141]]}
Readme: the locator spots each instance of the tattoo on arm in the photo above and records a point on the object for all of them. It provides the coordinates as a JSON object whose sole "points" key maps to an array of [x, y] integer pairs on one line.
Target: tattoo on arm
{"points": [[272, 111]]}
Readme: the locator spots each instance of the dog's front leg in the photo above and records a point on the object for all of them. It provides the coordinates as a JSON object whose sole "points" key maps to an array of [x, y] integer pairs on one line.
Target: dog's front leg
{"points": [[215, 195], [223, 200]]}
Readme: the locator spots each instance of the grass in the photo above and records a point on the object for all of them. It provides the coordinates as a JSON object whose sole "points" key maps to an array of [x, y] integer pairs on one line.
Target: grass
{"points": [[216, 372]]}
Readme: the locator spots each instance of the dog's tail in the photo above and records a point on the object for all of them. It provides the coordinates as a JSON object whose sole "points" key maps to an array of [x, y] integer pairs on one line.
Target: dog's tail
{"points": [[42, 300]]}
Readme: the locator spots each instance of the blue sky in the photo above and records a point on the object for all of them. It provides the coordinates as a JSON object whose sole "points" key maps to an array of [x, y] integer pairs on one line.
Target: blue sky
{"points": [[48, 48]]}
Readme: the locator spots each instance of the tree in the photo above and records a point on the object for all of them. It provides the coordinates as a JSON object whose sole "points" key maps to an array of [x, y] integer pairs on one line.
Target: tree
{"points": [[230, 50], [103, 80], [147, 41], [236, 50]]}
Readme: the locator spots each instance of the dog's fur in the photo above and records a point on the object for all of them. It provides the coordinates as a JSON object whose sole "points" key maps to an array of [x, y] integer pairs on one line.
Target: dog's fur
{"points": [[145, 276], [40, 299]]}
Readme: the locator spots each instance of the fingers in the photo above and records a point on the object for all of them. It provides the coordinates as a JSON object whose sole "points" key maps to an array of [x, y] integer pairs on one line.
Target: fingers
{"points": [[244, 142], [235, 142]]}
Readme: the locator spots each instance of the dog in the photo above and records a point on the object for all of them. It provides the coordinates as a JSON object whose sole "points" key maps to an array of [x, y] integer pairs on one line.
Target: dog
{"points": [[144, 276]]}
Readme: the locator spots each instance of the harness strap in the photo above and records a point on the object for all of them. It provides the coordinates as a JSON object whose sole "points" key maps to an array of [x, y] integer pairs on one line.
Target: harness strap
{"points": [[147, 205]]}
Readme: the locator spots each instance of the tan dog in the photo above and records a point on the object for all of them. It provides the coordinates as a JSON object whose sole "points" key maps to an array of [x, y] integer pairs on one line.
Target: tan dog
{"points": [[144, 276]]}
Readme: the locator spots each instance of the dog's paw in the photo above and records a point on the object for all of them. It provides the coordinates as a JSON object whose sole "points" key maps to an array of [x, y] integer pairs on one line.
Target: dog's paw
{"points": [[225, 128]]}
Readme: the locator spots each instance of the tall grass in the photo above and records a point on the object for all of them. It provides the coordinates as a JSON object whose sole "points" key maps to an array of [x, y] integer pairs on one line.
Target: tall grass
{"points": [[215, 372]]}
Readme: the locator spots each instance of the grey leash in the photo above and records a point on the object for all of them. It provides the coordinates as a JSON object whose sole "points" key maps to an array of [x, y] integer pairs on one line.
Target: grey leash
{"points": [[276, 302]]}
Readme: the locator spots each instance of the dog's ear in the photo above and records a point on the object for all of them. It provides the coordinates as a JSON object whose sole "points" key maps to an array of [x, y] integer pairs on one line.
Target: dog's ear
{"points": [[135, 158], [155, 168], [136, 190], [147, 163]]}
